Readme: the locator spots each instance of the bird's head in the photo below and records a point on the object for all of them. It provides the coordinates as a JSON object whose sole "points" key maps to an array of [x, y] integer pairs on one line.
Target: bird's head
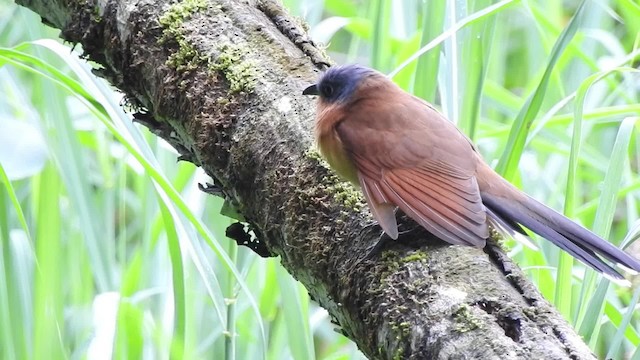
{"points": [[339, 83]]}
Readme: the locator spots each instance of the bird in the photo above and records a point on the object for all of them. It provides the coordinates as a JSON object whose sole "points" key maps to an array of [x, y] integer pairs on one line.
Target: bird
{"points": [[404, 154]]}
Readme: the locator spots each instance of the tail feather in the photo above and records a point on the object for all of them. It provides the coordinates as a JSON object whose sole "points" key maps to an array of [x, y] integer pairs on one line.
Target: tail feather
{"points": [[553, 226]]}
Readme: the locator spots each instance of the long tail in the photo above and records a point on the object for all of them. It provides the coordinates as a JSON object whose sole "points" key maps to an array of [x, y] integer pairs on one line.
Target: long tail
{"points": [[513, 207]]}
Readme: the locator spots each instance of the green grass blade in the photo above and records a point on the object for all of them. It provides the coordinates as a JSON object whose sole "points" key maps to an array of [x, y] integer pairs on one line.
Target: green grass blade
{"points": [[296, 306], [636, 354], [48, 308], [474, 62], [451, 72], [15, 202], [477, 16], [9, 319], [563, 298], [623, 327], [380, 46], [129, 338], [508, 163], [177, 271], [231, 298], [426, 75], [589, 317]]}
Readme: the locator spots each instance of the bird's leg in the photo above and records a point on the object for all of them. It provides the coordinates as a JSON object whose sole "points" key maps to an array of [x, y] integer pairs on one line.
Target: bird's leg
{"points": [[383, 238], [405, 224], [411, 229], [370, 226], [211, 189]]}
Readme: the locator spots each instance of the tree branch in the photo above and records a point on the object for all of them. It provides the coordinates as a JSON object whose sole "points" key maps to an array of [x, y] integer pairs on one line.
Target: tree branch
{"points": [[221, 80]]}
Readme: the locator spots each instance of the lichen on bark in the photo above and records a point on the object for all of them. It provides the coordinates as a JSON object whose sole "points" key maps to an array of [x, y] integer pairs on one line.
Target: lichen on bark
{"points": [[241, 74]]}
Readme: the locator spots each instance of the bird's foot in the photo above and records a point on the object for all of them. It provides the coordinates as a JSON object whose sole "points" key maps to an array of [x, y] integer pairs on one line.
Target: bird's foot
{"points": [[405, 235], [372, 226], [409, 229], [211, 189], [376, 249], [383, 239]]}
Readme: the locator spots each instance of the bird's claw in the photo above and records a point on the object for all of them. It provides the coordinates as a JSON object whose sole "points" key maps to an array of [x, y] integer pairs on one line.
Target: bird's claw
{"points": [[376, 249], [383, 239], [211, 189]]}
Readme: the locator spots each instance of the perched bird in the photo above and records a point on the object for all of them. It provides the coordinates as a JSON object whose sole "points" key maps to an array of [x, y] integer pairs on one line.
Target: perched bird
{"points": [[403, 153]]}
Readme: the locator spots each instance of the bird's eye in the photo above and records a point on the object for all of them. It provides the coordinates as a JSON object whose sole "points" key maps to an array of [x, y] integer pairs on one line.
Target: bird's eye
{"points": [[328, 90]]}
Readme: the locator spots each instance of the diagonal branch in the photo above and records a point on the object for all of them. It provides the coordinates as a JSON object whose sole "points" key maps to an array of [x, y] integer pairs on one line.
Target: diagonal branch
{"points": [[221, 81]]}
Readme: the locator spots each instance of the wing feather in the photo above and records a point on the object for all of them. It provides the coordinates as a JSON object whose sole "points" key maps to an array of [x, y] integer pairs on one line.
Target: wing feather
{"points": [[423, 219], [472, 202], [407, 155], [381, 208], [445, 214], [470, 193]]}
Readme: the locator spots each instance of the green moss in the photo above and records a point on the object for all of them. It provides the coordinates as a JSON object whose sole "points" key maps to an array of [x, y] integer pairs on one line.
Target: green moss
{"points": [[415, 256], [177, 13], [399, 355], [222, 101], [347, 195], [390, 264], [97, 15], [498, 238], [343, 191], [313, 154], [401, 330], [465, 320], [186, 57], [241, 74]]}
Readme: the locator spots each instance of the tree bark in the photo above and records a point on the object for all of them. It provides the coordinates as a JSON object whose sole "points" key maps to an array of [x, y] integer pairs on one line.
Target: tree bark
{"points": [[221, 80]]}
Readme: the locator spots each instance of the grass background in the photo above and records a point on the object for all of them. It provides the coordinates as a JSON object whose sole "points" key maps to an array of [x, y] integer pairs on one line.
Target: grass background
{"points": [[108, 249]]}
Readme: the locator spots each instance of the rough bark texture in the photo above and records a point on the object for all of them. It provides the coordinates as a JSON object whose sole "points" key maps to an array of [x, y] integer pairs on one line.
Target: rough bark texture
{"points": [[221, 81]]}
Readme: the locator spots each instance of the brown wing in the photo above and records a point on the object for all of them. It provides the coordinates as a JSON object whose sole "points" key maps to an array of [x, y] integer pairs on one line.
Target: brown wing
{"points": [[381, 207], [408, 155]]}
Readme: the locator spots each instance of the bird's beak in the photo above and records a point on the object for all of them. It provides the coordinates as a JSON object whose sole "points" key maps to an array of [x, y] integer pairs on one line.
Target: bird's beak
{"points": [[311, 90]]}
